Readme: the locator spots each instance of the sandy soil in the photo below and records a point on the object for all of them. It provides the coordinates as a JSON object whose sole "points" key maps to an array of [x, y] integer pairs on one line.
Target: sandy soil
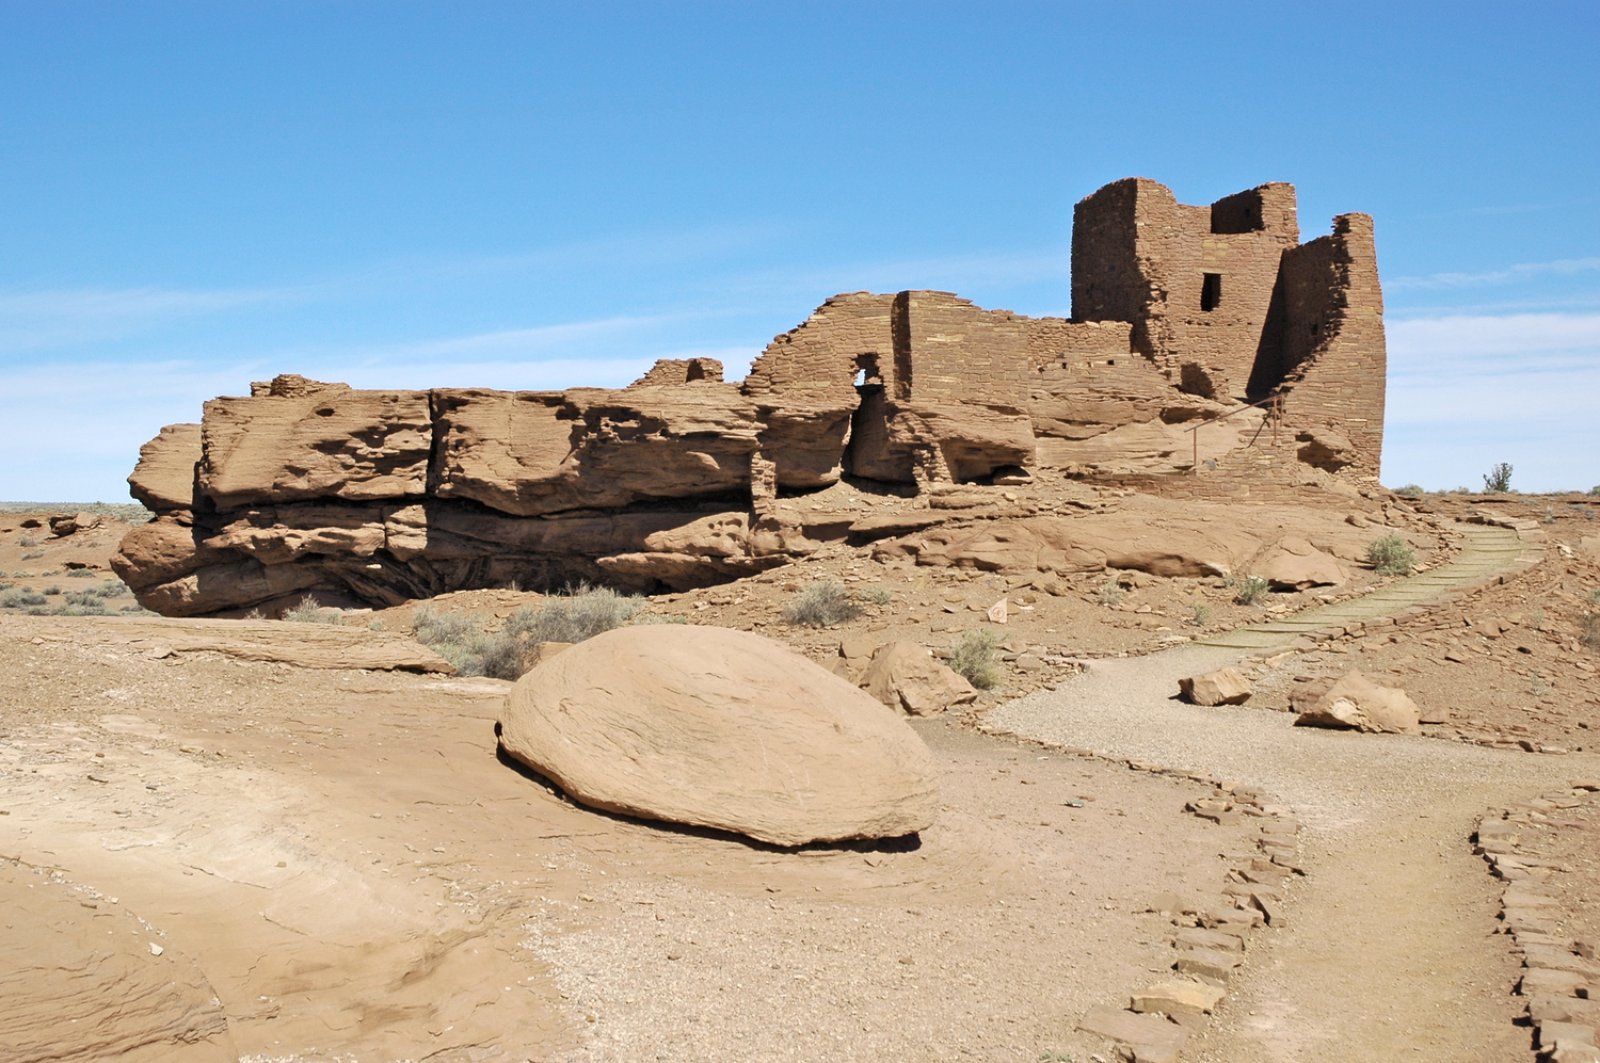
{"points": [[354, 871], [336, 866]]}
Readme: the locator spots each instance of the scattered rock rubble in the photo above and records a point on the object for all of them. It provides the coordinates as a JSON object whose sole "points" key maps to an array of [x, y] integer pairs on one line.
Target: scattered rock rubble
{"points": [[1561, 974]]}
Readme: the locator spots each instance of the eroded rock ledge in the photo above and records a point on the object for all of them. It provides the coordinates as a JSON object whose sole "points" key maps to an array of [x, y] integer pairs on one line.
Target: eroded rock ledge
{"points": [[678, 481]]}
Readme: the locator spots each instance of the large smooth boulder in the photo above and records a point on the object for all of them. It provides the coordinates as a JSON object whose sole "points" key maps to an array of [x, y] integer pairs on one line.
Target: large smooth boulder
{"points": [[719, 728], [905, 676], [1355, 702]]}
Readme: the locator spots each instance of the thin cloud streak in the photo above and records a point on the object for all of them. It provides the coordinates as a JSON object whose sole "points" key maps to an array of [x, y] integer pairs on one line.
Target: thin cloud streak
{"points": [[55, 318], [1459, 335], [1522, 271]]}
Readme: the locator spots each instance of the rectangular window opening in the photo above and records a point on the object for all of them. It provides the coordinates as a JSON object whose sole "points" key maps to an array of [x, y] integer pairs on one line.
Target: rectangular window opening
{"points": [[1211, 292]]}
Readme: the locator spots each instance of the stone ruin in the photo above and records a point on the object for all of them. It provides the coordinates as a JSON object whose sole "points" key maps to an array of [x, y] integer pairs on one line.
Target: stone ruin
{"points": [[1206, 343]]}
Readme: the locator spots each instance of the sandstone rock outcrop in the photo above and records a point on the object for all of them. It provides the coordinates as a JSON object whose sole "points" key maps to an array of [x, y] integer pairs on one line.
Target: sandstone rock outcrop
{"points": [[1225, 686], [374, 497], [81, 982], [723, 729], [1355, 702], [906, 677]]}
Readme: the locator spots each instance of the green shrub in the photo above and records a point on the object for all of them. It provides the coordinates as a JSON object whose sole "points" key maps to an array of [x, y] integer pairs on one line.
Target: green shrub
{"points": [[1201, 614], [973, 658], [1390, 555], [51, 591], [1589, 632], [1111, 594], [20, 598], [822, 604], [80, 573], [1497, 481], [1409, 491], [309, 612], [1251, 590]]}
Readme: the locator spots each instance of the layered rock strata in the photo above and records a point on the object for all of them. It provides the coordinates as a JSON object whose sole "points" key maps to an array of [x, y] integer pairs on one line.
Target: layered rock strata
{"points": [[1273, 375]]}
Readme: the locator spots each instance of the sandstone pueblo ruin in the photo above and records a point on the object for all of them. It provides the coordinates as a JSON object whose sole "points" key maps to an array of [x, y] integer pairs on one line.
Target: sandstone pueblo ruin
{"points": [[1209, 351]]}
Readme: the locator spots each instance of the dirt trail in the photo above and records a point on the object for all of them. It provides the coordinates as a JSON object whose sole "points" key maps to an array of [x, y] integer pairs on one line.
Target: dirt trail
{"points": [[1387, 952]]}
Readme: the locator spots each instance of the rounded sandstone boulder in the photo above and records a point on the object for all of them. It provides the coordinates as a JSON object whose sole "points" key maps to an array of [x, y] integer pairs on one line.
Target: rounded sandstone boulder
{"points": [[719, 728]]}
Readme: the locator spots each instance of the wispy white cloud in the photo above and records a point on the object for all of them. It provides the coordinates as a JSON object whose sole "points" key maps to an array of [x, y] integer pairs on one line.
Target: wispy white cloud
{"points": [[42, 319], [1469, 390], [1512, 335], [1522, 271]]}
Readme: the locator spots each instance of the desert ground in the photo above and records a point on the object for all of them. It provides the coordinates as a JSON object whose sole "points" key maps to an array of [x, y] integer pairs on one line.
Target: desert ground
{"points": [[270, 840]]}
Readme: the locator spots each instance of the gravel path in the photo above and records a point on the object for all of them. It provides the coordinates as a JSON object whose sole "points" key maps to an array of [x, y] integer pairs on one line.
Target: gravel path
{"points": [[1388, 952]]}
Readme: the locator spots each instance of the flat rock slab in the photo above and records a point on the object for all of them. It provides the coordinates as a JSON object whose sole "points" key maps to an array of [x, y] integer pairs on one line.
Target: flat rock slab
{"points": [[82, 979], [1152, 1038], [272, 641]]}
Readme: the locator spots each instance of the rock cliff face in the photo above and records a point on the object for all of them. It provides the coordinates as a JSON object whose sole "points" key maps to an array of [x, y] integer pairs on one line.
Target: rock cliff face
{"points": [[676, 481]]}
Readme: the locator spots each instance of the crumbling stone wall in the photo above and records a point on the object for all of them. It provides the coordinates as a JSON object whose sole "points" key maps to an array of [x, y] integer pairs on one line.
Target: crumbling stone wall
{"points": [[680, 371], [819, 360], [1196, 282], [1329, 342]]}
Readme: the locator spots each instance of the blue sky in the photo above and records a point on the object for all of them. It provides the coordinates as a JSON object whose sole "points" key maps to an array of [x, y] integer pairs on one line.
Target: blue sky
{"points": [[197, 195]]}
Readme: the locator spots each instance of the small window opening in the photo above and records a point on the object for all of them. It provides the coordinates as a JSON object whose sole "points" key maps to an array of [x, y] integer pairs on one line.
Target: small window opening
{"points": [[1315, 328], [1211, 292], [867, 371]]}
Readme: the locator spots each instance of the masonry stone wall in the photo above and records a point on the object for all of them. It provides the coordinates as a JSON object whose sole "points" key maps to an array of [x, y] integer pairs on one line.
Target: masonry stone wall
{"points": [[819, 360], [1331, 340], [1196, 282], [1174, 306], [680, 371]]}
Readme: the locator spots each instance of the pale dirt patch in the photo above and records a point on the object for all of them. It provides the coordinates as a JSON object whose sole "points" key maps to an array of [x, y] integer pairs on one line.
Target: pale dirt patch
{"points": [[355, 873]]}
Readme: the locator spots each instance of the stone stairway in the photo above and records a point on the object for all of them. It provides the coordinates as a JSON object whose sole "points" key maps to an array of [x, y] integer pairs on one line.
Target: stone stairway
{"points": [[1486, 553]]}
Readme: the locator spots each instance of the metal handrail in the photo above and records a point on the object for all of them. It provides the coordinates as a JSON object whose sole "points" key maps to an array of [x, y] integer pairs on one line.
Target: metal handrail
{"points": [[1275, 401]]}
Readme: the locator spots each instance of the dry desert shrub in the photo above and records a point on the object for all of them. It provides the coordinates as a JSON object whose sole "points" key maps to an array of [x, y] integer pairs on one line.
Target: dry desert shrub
{"points": [[579, 613], [821, 604], [1390, 555], [973, 658], [1251, 590], [309, 612], [1497, 481]]}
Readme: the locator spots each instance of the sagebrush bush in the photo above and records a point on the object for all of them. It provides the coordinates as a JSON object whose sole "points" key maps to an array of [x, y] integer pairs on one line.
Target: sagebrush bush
{"points": [[579, 613], [821, 604], [1390, 555], [1111, 594], [876, 595], [1251, 590], [309, 612], [582, 612], [20, 598], [1409, 491], [973, 658]]}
